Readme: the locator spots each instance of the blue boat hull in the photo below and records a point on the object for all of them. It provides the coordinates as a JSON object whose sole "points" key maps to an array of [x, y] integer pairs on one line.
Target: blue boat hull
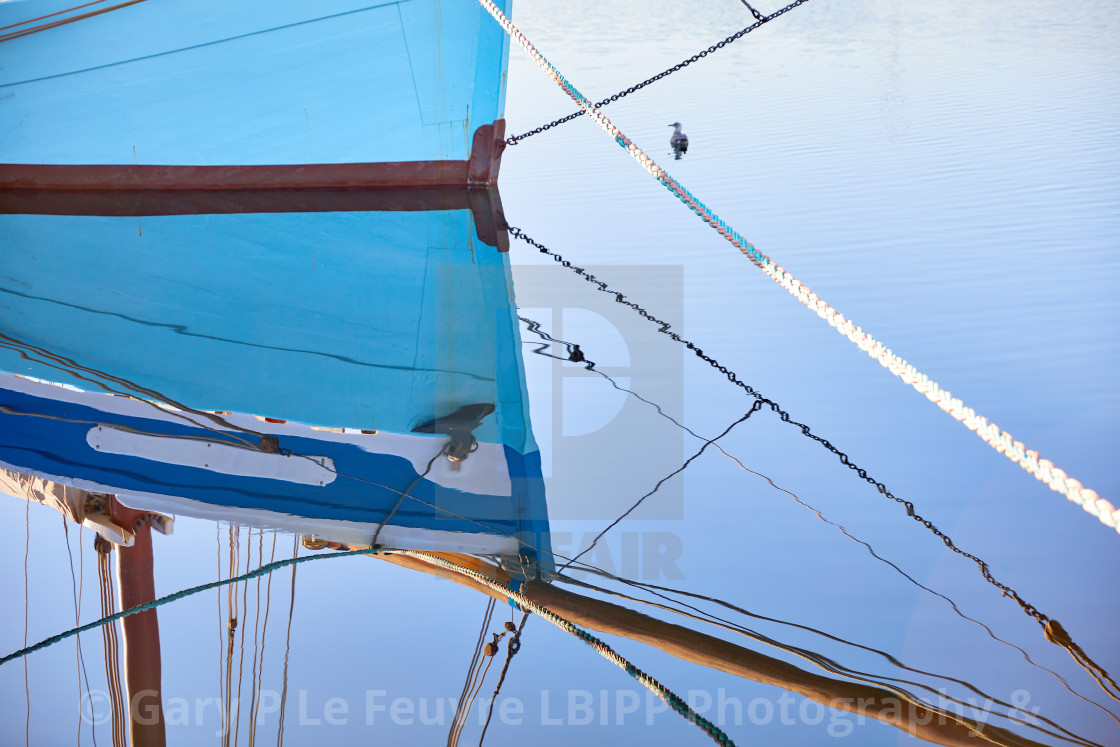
{"points": [[212, 84], [340, 334]]}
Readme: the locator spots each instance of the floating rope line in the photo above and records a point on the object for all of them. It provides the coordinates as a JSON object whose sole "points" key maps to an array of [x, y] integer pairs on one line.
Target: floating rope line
{"points": [[1002, 441]]}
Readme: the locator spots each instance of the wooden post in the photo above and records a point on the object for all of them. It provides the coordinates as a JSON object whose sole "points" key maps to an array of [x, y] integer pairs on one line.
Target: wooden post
{"points": [[136, 585]]}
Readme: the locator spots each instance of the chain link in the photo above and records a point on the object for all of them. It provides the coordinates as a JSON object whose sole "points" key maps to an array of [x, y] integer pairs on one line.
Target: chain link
{"points": [[755, 13], [666, 329], [515, 139]]}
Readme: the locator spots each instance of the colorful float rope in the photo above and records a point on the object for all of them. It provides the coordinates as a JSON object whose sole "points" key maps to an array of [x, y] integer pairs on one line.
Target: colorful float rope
{"points": [[1000, 440], [672, 699]]}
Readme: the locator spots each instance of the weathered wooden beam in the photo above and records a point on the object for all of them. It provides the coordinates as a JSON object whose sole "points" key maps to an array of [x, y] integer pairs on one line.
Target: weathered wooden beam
{"points": [[142, 666], [933, 726]]}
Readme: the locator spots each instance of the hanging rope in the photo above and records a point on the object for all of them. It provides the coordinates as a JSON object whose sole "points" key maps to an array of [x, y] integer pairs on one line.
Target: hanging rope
{"points": [[26, 610], [109, 639], [231, 628], [512, 648], [79, 657], [461, 709], [1000, 440], [287, 645]]}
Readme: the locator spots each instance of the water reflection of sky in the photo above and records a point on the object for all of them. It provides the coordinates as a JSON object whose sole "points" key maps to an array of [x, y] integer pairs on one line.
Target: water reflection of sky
{"points": [[944, 175]]}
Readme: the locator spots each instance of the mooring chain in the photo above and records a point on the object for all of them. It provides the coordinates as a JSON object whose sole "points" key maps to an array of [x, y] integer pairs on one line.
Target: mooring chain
{"points": [[757, 16], [666, 329], [515, 139]]}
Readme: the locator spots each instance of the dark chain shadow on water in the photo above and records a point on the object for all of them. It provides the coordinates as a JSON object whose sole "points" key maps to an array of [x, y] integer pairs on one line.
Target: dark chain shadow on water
{"points": [[1052, 630], [575, 354]]}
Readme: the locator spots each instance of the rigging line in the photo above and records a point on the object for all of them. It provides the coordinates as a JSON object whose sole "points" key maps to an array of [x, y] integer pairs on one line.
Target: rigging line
{"points": [[674, 701], [264, 639], [114, 392], [228, 582], [423, 502], [665, 73], [582, 565], [1000, 440], [64, 21], [474, 693], [576, 355], [646, 586], [1055, 633], [757, 16], [512, 647], [128, 429], [288, 643], [26, 611], [653, 685], [451, 738], [79, 658], [255, 683], [51, 15], [70, 365], [831, 665], [666, 329], [221, 638], [920, 585], [668, 696], [405, 494], [109, 639], [754, 408], [462, 709], [574, 349], [119, 696], [231, 628], [241, 635], [166, 410]]}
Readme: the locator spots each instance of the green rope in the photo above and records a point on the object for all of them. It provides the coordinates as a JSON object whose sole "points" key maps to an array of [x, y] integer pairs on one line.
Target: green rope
{"points": [[267, 568], [667, 695], [671, 698]]}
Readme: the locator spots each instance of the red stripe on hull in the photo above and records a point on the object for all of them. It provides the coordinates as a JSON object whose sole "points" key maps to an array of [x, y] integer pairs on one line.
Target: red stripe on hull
{"points": [[481, 169]]}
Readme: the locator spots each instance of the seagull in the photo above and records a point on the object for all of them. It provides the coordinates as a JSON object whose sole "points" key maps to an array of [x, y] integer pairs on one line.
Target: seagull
{"points": [[678, 139]]}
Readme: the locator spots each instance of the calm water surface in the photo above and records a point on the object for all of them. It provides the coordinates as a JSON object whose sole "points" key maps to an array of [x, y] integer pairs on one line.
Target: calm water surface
{"points": [[946, 175]]}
